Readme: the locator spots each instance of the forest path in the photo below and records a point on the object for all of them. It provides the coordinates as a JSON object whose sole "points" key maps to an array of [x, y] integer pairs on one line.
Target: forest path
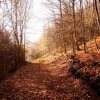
{"points": [[45, 82]]}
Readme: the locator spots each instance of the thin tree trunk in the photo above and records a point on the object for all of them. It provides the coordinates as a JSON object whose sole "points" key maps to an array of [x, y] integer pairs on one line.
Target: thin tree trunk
{"points": [[97, 11], [82, 25], [94, 8], [63, 37], [74, 19]]}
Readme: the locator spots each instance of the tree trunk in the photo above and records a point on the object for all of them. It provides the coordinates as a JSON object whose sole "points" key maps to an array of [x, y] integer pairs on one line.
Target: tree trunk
{"points": [[97, 12], [82, 25], [74, 22]]}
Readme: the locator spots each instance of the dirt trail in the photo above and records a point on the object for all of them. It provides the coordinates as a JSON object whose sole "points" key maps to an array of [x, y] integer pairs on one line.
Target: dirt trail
{"points": [[45, 82]]}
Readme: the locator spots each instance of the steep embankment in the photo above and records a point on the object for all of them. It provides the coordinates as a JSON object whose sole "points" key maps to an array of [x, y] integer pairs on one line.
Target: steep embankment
{"points": [[86, 66]]}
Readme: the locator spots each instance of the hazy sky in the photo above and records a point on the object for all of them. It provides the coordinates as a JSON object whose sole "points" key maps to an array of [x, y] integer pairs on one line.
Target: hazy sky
{"points": [[38, 16]]}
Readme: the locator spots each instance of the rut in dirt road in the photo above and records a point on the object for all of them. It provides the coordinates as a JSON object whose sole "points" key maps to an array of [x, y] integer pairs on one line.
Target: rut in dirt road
{"points": [[45, 82]]}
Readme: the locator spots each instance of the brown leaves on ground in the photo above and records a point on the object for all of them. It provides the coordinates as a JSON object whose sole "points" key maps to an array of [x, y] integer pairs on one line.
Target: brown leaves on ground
{"points": [[45, 82]]}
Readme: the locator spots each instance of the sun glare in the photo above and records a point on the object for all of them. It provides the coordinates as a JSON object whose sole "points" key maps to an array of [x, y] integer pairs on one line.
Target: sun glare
{"points": [[37, 21]]}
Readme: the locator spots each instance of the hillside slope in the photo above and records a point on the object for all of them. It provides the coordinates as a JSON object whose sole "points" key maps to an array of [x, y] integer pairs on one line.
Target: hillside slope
{"points": [[62, 78]]}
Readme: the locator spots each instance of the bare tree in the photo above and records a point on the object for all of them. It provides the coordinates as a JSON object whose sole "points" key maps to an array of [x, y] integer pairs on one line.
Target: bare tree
{"points": [[13, 22], [97, 7], [74, 22], [82, 24]]}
